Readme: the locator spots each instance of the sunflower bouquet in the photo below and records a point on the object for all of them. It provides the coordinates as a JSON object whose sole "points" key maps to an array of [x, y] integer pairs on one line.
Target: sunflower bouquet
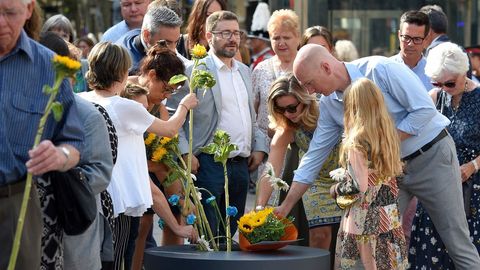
{"points": [[264, 226], [158, 148]]}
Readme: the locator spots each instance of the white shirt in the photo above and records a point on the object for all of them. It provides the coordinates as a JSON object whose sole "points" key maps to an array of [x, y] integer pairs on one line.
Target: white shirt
{"points": [[235, 112], [130, 185]]}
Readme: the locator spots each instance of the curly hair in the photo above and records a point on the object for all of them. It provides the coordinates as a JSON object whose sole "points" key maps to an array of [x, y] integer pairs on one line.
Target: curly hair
{"points": [[284, 18]]}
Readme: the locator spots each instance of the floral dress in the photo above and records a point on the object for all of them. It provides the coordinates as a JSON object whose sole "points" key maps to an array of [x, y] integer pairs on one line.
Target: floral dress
{"points": [[371, 231], [427, 250], [320, 207]]}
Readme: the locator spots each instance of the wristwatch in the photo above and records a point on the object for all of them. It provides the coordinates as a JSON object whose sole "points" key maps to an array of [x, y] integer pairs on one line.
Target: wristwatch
{"points": [[66, 152]]}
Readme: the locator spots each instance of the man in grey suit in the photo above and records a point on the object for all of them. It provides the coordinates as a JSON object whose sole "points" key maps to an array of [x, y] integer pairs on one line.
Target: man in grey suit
{"points": [[227, 106], [83, 251]]}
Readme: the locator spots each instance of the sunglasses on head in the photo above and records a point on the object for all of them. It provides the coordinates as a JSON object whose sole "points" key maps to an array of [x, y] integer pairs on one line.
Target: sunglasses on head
{"points": [[290, 108], [450, 84]]}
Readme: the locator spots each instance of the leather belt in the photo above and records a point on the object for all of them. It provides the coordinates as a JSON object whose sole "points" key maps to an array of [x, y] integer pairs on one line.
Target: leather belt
{"points": [[237, 159], [427, 146], [12, 189]]}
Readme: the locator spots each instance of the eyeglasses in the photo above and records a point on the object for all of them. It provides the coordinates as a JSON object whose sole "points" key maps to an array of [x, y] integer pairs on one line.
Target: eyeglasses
{"points": [[228, 34], [407, 39], [9, 14], [168, 43], [449, 84], [290, 108], [170, 89]]}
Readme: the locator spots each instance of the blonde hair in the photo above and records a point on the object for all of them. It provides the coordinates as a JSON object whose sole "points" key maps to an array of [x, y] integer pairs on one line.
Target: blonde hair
{"points": [[284, 18], [289, 86], [370, 129]]}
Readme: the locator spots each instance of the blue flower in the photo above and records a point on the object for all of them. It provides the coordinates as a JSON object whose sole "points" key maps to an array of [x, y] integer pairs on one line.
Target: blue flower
{"points": [[211, 200], [173, 200], [191, 219], [161, 223], [232, 211]]}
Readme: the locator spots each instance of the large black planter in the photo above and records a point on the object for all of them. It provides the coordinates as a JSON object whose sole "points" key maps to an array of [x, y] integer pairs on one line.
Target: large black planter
{"points": [[187, 258]]}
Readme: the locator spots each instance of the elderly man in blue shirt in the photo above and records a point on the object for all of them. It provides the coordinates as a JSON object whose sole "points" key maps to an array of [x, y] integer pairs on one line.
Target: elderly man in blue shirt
{"points": [[25, 66], [431, 168]]}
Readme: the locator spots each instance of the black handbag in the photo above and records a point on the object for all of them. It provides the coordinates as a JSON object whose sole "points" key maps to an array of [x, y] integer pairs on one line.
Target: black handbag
{"points": [[74, 200]]}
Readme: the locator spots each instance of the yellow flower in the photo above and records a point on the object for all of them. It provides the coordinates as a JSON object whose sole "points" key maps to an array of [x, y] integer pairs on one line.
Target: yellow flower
{"points": [[150, 138], [259, 220], [67, 62], [158, 154], [244, 225], [199, 51], [165, 140]]}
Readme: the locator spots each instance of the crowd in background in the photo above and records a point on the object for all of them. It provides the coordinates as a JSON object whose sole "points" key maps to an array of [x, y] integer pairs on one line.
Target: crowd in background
{"points": [[405, 128]]}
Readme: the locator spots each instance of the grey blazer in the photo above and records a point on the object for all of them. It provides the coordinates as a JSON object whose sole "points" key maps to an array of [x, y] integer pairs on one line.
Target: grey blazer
{"points": [[208, 112], [83, 251]]}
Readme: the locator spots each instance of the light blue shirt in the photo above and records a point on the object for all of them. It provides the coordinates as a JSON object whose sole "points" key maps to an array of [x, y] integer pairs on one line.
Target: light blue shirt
{"points": [[412, 111], [115, 32], [419, 70]]}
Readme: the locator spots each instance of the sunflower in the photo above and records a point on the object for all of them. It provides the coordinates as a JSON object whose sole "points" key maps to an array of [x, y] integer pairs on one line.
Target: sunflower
{"points": [[150, 138], [244, 225], [159, 154], [199, 51], [165, 140]]}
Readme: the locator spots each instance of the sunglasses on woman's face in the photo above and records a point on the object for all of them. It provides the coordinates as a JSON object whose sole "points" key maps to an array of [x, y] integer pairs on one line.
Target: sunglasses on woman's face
{"points": [[290, 108], [450, 84]]}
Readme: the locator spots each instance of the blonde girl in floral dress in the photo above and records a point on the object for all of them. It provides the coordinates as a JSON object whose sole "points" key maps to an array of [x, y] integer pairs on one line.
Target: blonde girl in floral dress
{"points": [[370, 234]]}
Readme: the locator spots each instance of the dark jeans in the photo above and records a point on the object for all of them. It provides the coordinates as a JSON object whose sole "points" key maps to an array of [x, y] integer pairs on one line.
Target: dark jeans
{"points": [[210, 176]]}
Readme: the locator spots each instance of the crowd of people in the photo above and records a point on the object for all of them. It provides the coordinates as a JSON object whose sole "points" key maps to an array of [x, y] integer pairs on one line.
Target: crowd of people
{"points": [[404, 129]]}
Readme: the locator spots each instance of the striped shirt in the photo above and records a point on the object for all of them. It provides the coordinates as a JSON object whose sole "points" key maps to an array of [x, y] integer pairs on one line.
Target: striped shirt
{"points": [[23, 72]]}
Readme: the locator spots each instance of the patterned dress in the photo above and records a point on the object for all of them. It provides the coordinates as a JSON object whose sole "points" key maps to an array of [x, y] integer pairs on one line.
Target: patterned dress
{"points": [[427, 250], [371, 231], [320, 207]]}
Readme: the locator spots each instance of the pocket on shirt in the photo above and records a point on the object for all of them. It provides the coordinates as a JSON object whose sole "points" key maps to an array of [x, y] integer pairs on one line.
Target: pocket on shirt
{"points": [[24, 118]]}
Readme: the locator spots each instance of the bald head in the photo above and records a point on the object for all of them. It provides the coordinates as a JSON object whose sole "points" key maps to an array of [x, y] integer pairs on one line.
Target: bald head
{"points": [[313, 68]]}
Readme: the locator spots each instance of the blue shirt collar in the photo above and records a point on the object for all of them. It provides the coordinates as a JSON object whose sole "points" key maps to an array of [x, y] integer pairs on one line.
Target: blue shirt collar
{"points": [[354, 75], [23, 44]]}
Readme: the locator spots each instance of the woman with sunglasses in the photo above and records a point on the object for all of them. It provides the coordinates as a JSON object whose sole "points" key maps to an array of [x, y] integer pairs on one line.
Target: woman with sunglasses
{"points": [[293, 116], [457, 97]]}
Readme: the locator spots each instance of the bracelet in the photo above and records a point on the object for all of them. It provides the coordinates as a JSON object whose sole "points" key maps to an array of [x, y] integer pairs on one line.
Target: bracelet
{"points": [[181, 104], [259, 208], [475, 164]]}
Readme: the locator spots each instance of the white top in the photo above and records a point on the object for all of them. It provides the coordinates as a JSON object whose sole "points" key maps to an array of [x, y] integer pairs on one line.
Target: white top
{"points": [[235, 113], [130, 186]]}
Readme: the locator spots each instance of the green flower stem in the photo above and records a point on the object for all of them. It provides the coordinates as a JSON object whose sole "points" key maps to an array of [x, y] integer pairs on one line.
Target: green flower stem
{"points": [[227, 217], [190, 135], [28, 184]]}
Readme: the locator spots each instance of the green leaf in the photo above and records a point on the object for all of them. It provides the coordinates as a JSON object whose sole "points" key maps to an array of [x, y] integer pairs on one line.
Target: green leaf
{"points": [[209, 149], [171, 178], [57, 110], [47, 90], [177, 79]]}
